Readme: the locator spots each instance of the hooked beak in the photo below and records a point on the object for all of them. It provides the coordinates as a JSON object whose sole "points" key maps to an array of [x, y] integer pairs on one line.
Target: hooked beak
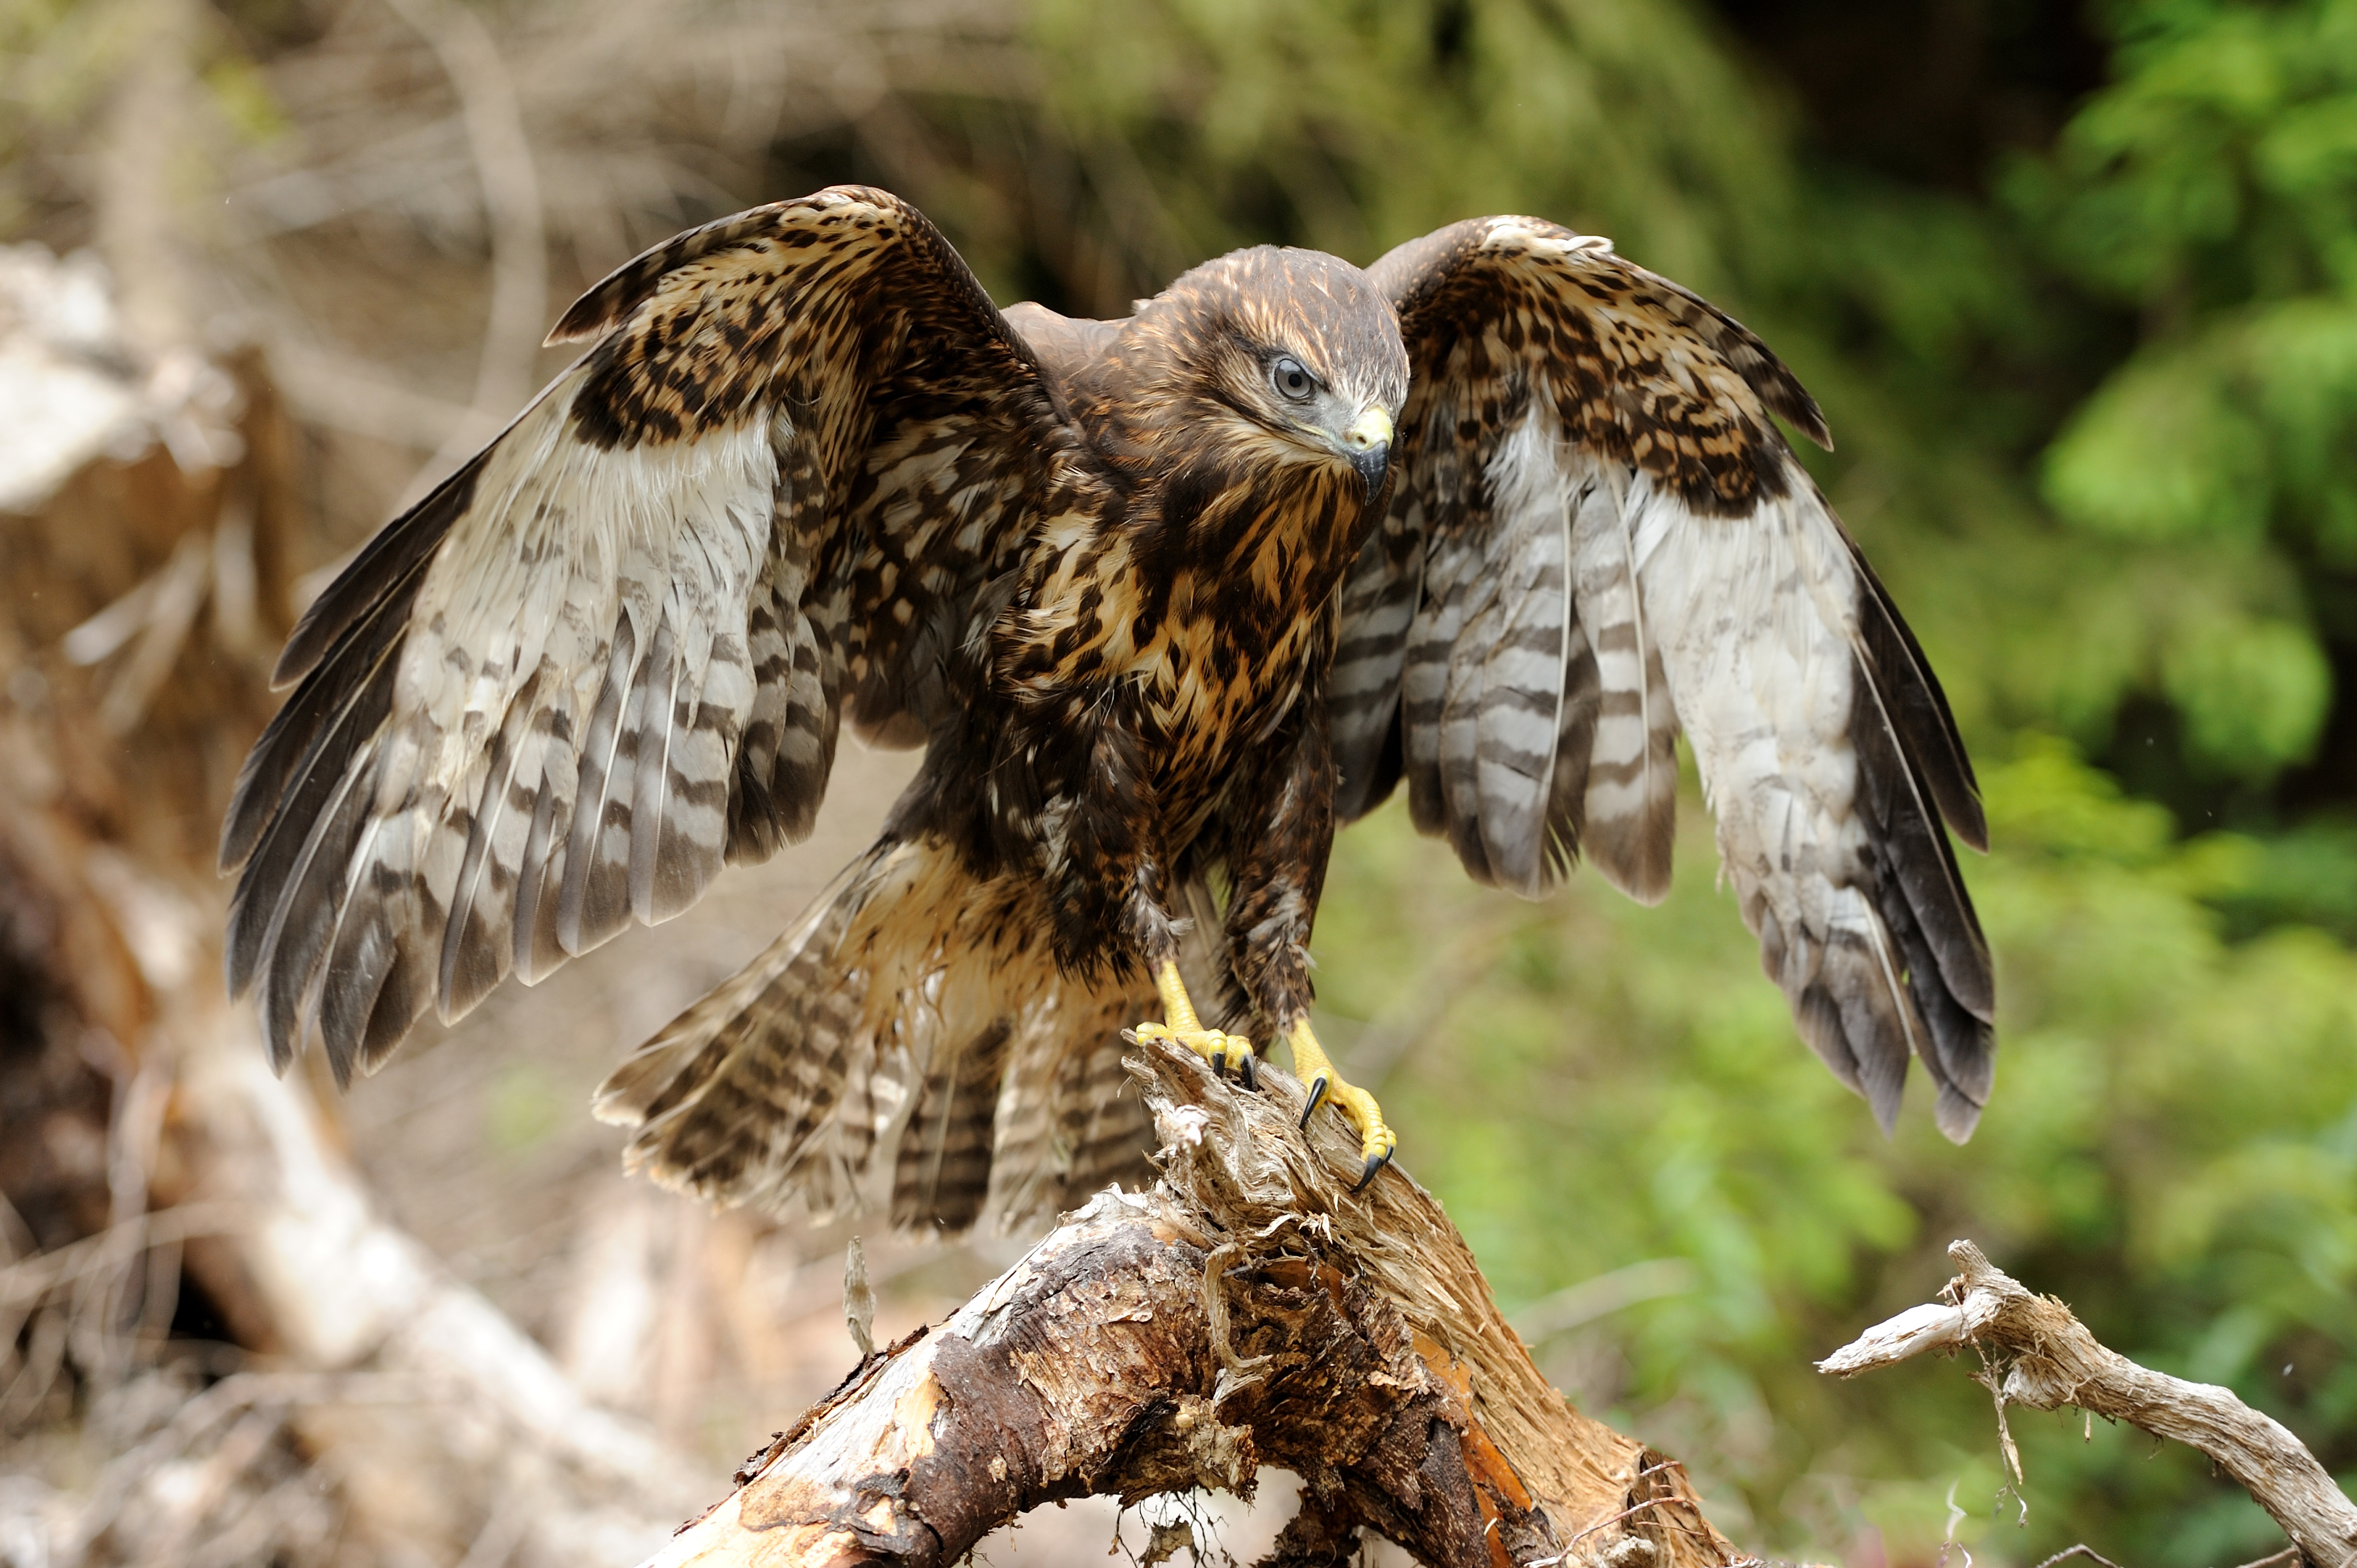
{"points": [[1367, 445]]}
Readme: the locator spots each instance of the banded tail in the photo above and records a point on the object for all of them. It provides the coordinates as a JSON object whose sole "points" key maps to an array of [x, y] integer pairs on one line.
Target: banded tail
{"points": [[911, 1008]]}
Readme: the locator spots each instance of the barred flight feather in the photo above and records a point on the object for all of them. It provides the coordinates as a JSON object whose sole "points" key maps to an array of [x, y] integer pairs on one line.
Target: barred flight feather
{"points": [[1502, 713], [607, 656], [1631, 803], [1378, 607], [1709, 589]]}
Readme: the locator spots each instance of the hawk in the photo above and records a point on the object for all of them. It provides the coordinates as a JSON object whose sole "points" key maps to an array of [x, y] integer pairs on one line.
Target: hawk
{"points": [[1164, 599]]}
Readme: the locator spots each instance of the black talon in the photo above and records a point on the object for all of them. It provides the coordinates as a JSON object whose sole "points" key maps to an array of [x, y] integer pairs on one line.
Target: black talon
{"points": [[1374, 1163], [1220, 1066], [1245, 1072], [1316, 1099]]}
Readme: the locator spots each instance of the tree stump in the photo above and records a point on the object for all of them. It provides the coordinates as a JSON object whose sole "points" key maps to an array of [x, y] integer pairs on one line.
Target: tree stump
{"points": [[1248, 1311]]}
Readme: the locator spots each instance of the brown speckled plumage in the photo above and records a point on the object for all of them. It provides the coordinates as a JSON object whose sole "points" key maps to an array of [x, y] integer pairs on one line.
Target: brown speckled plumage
{"points": [[1127, 586]]}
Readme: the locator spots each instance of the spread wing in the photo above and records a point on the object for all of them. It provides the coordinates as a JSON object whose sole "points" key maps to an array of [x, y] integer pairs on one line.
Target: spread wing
{"points": [[1597, 539], [611, 652]]}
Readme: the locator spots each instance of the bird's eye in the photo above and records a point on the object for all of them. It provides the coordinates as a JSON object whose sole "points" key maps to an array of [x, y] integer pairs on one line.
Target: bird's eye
{"points": [[1292, 380]]}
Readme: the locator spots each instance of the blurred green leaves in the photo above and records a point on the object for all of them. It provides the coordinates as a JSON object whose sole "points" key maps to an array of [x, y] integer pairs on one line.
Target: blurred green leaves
{"points": [[1352, 125], [2212, 190], [2099, 431], [2172, 1147]]}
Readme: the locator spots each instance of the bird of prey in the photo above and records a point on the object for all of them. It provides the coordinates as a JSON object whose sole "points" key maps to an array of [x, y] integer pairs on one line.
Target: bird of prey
{"points": [[1164, 599]]}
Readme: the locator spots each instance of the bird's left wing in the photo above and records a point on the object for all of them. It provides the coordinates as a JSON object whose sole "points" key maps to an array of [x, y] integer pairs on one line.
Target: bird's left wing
{"points": [[611, 651], [1597, 539]]}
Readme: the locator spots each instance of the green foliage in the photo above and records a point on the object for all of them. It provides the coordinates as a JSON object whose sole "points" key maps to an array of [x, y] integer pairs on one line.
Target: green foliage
{"points": [[2213, 189], [2099, 431], [2173, 1148], [1353, 124]]}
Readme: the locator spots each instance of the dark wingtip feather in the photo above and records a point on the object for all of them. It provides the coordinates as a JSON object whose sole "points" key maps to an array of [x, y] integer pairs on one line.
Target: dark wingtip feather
{"points": [[1920, 899], [1866, 1059], [386, 566], [1919, 707], [1956, 1115]]}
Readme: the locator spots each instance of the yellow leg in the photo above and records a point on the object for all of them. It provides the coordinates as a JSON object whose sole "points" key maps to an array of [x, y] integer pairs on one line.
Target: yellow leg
{"points": [[1316, 1070], [1180, 1026]]}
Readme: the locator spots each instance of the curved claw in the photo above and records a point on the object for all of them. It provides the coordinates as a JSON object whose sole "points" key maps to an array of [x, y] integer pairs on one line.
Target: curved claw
{"points": [[1242, 1059], [1375, 1162], [1217, 1050], [1316, 1099]]}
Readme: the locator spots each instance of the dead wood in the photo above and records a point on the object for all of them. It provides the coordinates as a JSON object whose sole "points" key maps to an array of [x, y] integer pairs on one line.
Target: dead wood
{"points": [[2035, 1353], [373, 1405], [1248, 1311]]}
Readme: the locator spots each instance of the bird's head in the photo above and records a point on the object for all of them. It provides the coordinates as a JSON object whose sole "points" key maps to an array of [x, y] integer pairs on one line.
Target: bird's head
{"points": [[1292, 357]]}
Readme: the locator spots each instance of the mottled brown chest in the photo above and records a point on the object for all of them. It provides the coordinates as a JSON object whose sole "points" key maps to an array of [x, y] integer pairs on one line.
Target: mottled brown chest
{"points": [[1200, 616], [1244, 631], [1212, 695]]}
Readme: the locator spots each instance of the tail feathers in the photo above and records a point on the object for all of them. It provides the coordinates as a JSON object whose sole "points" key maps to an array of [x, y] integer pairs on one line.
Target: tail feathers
{"points": [[906, 997], [1070, 1121], [942, 1172], [735, 1098]]}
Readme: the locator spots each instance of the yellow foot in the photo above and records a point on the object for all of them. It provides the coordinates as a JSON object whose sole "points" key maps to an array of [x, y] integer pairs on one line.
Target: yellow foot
{"points": [[1316, 1070], [1180, 1027], [1222, 1051]]}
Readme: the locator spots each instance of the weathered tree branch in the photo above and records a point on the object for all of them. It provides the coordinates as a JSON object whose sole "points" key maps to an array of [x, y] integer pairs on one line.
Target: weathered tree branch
{"points": [[1248, 1311], [144, 1144], [2039, 1355]]}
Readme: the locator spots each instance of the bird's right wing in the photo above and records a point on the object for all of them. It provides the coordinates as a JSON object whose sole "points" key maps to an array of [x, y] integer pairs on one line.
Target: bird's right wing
{"points": [[1599, 539], [612, 650]]}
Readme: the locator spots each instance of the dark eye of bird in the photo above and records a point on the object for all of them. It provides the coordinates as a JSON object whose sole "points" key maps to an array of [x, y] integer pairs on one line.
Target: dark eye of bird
{"points": [[1292, 380]]}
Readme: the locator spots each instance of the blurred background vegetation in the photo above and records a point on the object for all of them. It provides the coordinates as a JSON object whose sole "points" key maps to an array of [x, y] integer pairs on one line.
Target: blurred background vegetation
{"points": [[2076, 285]]}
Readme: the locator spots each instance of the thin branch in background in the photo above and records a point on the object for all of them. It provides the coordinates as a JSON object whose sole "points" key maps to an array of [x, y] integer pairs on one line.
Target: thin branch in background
{"points": [[503, 161], [1375, 1051], [2289, 1554], [180, 594], [30, 1279], [2038, 1355], [1603, 1294]]}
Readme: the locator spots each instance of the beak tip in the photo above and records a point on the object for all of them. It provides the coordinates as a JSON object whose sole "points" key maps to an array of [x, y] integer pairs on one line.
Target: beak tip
{"points": [[1373, 463]]}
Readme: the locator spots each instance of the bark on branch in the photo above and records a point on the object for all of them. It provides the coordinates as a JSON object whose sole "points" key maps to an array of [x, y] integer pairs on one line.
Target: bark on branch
{"points": [[2039, 1355], [1248, 1311]]}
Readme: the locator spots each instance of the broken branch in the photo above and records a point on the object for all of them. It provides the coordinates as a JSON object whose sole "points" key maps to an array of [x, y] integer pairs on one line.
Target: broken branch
{"points": [[1248, 1311], [2042, 1357]]}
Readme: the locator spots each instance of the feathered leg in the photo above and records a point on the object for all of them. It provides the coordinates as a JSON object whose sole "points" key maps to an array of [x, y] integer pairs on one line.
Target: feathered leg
{"points": [[1282, 830], [1116, 870]]}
